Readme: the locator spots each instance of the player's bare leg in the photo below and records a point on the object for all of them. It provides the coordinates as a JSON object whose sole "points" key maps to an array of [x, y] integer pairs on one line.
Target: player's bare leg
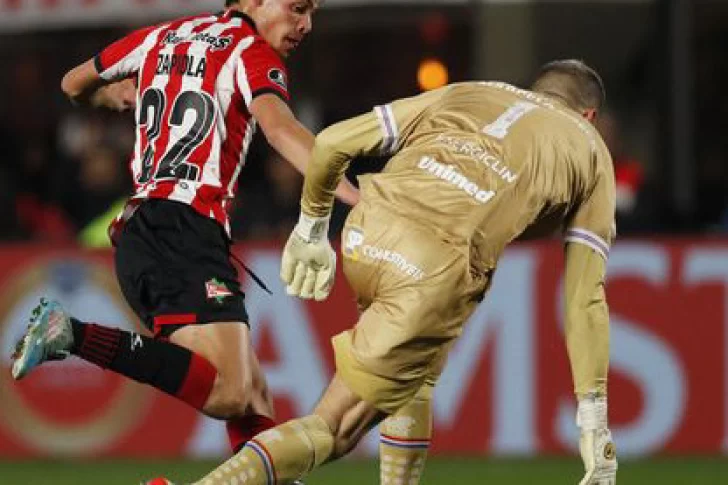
{"points": [[240, 394], [291, 450], [405, 440]]}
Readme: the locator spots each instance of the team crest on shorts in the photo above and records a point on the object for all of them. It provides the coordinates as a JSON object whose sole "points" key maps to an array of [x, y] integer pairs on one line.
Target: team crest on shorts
{"points": [[353, 240], [217, 290]]}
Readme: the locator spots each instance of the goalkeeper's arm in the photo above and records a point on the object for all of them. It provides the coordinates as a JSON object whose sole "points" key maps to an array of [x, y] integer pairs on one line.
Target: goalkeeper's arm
{"points": [[587, 320], [587, 341]]}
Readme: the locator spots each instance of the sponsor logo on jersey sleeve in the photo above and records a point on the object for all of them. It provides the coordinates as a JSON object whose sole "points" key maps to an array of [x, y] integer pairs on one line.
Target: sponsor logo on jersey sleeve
{"points": [[276, 76]]}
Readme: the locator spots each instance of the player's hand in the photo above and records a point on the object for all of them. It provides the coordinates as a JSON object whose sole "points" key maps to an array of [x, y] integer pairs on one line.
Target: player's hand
{"points": [[308, 263], [117, 96], [595, 443]]}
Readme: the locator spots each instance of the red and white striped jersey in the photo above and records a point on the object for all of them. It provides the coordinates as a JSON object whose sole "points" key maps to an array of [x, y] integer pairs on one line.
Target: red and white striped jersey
{"points": [[196, 78]]}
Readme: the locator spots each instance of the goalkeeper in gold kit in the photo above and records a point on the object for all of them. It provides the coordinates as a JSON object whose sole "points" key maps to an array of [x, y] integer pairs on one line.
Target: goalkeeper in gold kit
{"points": [[473, 166]]}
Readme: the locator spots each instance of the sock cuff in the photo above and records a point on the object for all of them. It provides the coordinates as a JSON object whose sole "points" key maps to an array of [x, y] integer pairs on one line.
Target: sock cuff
{"points": [[198, 382], [241, 430]]}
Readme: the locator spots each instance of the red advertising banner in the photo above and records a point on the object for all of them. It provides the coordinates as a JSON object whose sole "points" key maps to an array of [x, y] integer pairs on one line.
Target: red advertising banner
{"points": [[506, 388]]}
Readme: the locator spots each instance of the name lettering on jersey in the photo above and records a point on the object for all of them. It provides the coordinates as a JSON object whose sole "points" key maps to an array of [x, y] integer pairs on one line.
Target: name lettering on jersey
{"points": [[546, 103], [215, 42], [354, 249], [450, 174], [182, 64], [461, 146]]}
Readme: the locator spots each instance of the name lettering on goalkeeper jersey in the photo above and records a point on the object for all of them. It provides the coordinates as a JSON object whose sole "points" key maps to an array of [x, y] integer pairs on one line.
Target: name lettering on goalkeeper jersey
{"points": [[450, 174], [461, 146]]}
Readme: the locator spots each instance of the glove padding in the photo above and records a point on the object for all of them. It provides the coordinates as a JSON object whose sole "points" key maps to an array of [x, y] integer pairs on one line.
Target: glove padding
{"points": [[308, 265], [600, 457]]}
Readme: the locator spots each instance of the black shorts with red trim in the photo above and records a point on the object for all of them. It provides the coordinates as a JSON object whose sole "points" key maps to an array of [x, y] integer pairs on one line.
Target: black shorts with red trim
{"points": [[174, 268]]}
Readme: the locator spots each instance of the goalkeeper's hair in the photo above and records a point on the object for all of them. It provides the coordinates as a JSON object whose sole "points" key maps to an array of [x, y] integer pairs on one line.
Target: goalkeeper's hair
{"points": [[572, 81]]}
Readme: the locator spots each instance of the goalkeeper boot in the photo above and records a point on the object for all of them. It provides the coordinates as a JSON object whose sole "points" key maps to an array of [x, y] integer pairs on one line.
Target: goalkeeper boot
{"points": [[48, 337]]}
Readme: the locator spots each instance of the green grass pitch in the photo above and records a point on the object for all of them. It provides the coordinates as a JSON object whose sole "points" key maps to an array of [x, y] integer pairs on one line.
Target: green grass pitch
{"points": [[542, 471]]}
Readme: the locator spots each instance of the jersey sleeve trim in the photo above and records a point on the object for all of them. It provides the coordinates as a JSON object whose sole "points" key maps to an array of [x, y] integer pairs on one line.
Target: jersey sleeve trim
{"points": [[262, 91], [588, 238], [390, 130], [98, 64]]}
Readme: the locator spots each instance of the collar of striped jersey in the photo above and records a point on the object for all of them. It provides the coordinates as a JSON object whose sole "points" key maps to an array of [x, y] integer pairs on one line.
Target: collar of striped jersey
{"points": [[241, 15]]}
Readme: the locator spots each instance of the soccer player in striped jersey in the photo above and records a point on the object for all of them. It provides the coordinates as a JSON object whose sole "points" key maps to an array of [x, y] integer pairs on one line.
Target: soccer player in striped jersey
{"points": [[200, 87]]}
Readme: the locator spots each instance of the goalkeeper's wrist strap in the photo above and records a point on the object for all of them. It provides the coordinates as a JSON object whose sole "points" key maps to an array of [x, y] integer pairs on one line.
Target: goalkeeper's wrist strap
{"points": [[312, 229], [592, 413]]}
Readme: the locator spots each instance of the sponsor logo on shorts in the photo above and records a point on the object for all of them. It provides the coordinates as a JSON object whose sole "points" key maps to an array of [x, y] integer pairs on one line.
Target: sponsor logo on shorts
{"points": [[353, 239], [217, 290], [354, 248], [393, 257], [450, 174]]}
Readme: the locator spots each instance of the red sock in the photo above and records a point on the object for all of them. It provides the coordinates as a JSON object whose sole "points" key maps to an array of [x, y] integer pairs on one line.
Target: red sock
{"points": [[198, 381], [241, 430]]}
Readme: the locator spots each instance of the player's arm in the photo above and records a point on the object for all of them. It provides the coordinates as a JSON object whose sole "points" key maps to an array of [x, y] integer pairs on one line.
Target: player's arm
{"points": [[308, 263], [291, 139], [105, 81], [587, 316], [83, 86], [383, 131], [588, 238]]}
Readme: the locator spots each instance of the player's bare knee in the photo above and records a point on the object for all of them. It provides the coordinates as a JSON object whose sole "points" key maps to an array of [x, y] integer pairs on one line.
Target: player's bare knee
{"points": [[228, 399]]}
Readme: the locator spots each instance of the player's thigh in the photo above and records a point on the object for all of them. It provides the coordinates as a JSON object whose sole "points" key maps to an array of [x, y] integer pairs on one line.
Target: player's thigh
{"points": [[400, 343], [227, 345]]}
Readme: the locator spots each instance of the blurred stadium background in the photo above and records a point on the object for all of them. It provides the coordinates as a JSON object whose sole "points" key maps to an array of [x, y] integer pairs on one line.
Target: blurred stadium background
{"points": [[503, 407]]}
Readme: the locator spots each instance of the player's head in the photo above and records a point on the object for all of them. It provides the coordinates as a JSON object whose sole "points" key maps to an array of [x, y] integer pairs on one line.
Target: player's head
{"points": [[573, 82], [282, 23]]}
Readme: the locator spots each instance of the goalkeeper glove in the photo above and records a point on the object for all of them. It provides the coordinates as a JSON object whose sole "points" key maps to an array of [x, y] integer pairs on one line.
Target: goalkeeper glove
{"points": [[308, 264], [595, 443]]}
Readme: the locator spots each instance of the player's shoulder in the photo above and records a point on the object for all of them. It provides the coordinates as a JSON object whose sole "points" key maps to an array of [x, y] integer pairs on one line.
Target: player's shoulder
{"points": [[259, 44]]}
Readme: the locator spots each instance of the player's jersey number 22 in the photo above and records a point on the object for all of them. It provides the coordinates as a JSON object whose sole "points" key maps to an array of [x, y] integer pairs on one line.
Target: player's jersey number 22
{"points": [[172, 163]]}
